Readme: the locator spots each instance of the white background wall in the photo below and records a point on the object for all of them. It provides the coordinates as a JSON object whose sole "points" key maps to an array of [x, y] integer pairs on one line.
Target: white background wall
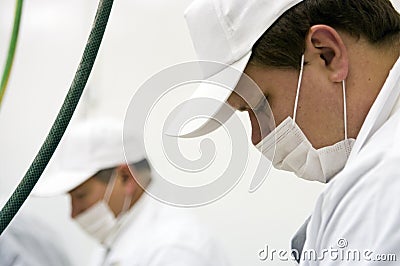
{"points": [[143, 37]]}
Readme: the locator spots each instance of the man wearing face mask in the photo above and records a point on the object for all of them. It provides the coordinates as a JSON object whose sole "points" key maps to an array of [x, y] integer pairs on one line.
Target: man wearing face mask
{"points": [[109, 203], [329, 72]]}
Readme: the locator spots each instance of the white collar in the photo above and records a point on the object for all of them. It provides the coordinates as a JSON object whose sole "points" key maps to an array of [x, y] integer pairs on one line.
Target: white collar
{"points": [[381, 110], [135, 212], [396, 107]]}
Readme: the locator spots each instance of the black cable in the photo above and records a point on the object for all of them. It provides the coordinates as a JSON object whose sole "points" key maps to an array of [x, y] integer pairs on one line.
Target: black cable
{"points": [[63, 118]]}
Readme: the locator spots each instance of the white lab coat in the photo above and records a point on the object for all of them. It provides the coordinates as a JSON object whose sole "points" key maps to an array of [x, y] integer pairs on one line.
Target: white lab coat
{"points": [[359, 211], [29, 241], [154, 234]]}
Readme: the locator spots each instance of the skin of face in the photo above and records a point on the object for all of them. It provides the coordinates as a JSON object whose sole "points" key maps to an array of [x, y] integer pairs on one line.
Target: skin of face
{"points": [[92, 191], [331, 57]]}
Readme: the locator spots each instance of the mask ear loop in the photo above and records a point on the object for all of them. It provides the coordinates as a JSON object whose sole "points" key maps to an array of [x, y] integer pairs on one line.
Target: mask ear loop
{"points": [[125, 206], [298, 89], [110, 187], [344, 109]]}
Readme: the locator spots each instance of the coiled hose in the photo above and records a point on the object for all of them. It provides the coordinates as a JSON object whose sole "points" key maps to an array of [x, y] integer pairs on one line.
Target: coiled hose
{"points": [[63, 118]]}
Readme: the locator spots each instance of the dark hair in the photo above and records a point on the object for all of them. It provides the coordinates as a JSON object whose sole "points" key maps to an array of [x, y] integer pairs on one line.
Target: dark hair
{"points": [[283, 43], [105, 174]]}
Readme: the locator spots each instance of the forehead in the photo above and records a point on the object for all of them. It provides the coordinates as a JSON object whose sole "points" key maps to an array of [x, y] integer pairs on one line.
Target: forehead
{"points": [[258, 82]]}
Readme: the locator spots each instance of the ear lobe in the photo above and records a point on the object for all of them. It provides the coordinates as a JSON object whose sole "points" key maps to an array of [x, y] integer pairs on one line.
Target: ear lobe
{"points": [[326, 42]]}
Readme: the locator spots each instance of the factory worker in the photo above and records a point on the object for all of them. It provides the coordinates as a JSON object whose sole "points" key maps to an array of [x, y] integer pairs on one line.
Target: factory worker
{"points": [[329, 72], [110, 204], [29, 241]]}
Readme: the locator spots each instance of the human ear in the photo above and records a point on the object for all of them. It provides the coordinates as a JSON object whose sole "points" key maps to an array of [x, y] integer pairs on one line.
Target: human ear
{"points": [[328, 45]]}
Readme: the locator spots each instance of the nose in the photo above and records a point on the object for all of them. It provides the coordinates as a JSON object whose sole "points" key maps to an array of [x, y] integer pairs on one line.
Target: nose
{"points": [[255, 128], [74, 212], [75, 208]]}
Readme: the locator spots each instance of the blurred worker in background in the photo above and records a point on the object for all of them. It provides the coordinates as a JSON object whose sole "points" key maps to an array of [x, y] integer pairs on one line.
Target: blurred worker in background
{"points": [[110, 204], [29, 241]]}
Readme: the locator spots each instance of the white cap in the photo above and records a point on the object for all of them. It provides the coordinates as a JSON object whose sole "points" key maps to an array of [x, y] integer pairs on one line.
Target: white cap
{"points": [[396, 4], [224, 31], [86, 148]]}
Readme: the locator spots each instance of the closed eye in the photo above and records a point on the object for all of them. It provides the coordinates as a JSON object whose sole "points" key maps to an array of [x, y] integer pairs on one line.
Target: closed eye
{"points": [[80, 195]]}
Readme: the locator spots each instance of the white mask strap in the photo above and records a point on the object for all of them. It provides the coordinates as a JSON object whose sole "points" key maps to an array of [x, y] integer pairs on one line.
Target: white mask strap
{"points": [[110, 186], [125, 206], [298, 94], [344, 109], [298, 89]]}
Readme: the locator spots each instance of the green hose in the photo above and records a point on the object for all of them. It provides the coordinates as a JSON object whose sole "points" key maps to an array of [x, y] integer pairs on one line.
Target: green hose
{"points": [[11, 50], [64, 116]]}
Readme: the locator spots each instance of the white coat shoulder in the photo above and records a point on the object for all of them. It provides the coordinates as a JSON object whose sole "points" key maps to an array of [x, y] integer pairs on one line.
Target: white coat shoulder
{"points": [[359, 210], [162, 235]]}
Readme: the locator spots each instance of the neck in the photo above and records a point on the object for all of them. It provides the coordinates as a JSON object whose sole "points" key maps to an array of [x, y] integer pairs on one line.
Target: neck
{"points": [[369, 69]]}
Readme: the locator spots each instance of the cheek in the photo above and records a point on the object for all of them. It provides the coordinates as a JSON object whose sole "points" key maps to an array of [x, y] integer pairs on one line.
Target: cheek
{"points": [[117, 196], [282, 107], [320, 113], [78, 206], [92, 198], [88, 201], [282, 99]]}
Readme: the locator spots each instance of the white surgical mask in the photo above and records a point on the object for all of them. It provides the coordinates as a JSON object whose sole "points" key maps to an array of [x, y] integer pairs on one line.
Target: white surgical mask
{"points": [[99, 220], [295, 153]]}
